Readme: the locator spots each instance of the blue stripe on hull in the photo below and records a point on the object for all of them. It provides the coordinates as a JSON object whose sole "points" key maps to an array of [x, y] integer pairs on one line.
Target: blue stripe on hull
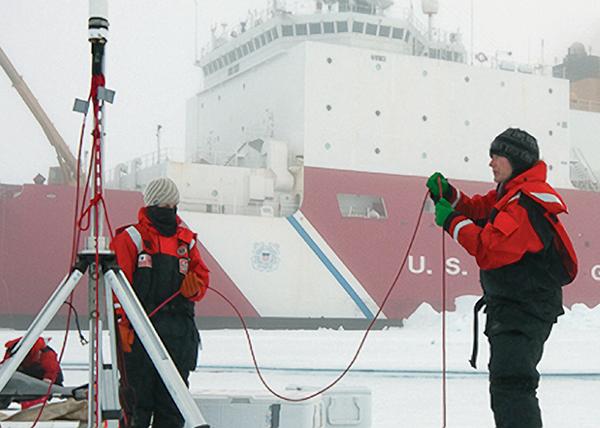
{"points": [[336, 274]]}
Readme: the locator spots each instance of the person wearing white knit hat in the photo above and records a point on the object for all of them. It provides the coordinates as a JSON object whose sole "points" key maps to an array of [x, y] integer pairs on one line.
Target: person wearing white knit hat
{"points": [[161, 192], [161, 260]]}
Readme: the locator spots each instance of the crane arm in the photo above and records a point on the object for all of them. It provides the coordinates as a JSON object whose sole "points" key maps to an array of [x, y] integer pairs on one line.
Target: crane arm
{"points": [[66, 160]]}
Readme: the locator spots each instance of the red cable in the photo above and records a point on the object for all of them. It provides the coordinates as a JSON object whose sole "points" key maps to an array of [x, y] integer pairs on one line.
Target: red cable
{"points": [[362, 342], [97, 80], [74, 245]]}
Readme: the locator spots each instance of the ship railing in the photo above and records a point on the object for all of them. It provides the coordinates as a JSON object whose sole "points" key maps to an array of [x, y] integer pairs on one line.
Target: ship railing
{"points": [[300, 13], [217, 157], [582, 175], [143, 162], [266, 209]]}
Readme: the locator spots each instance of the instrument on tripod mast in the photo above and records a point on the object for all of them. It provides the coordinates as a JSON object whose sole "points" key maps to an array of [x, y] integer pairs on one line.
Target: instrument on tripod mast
{"points": [[104, 275]]}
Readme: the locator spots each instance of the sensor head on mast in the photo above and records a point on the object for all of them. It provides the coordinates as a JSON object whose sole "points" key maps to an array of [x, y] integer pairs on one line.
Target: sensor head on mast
{"points": [[98, 21]]}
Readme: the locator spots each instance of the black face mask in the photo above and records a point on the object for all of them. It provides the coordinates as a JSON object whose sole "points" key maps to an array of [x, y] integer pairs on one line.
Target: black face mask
{"points": [[163, 219]]}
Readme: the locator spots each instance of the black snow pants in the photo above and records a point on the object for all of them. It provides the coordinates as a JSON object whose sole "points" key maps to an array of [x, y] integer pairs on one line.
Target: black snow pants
{"points": [[515, 350], [143, 393]]}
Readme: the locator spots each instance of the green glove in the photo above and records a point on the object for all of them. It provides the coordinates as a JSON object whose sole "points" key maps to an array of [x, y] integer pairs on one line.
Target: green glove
{"points": [[434, 187], [442, 210]]}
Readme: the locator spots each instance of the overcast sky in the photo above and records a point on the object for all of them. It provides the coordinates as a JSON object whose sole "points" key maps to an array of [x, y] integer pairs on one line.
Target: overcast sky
{"points": [[151, 52]]}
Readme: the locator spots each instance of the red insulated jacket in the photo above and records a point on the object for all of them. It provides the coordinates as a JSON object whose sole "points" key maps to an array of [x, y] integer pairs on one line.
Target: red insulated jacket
{"points": [[156, 264], [522, 248], [41, 362]]}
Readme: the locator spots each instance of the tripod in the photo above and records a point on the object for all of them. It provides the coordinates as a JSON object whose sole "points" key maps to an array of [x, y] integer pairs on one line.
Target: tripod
{"points": [[104, 386], [104, 276]]}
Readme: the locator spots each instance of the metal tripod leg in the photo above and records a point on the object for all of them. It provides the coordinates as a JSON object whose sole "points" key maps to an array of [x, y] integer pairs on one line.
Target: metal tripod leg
{"points": [[111, 408], [155, 348], [39, 324]]}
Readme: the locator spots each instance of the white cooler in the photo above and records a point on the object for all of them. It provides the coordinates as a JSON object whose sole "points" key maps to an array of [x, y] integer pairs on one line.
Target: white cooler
{"points": [[339, 408]]}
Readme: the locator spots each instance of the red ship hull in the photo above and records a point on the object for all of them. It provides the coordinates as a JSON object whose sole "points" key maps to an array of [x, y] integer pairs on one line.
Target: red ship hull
{"points": [[36, 227]]}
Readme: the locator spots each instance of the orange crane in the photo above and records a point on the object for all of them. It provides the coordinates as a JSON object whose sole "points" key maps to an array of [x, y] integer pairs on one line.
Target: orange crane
{"points": [[66, 160]]}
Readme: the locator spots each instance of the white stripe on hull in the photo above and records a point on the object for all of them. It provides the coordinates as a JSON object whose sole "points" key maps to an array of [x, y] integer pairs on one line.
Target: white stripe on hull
{"points": [[294, 283]]}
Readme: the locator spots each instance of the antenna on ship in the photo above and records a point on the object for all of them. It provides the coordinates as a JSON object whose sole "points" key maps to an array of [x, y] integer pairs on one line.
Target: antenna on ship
{"points": [[430, 8], [158, 129], [105, 278]]}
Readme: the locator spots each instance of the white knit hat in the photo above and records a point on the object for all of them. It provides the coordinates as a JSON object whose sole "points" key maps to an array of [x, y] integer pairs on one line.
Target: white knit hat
{"points": [[161, 191]]}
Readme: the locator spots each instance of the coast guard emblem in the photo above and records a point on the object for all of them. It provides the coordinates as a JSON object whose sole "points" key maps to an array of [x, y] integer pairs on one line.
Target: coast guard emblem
{"points": [[265, 257]]}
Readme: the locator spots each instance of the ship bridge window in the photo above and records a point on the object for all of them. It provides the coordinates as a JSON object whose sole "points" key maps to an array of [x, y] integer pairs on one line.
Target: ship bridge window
{"points": [[370, 207], [384, 30], [231, 56], [238, 52], [358, 27], [257, 44], [371, 29], [263, 40], [250, 45], [225, 60], [407, 36], [398, 33], [220, 62], [315, 28], [287, 30], [269, 36], [301, 30], [206, 70], [342, 26], [328, 28], [275, 33], [244, 49]]}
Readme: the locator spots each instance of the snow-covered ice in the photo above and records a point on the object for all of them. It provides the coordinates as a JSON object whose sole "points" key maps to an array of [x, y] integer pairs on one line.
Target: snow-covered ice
{"points": [[401, 366]]}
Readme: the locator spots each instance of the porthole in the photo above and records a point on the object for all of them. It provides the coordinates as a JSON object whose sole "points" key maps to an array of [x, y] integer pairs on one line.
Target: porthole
{"points": [[466, 158], [550, 133], [377, 113], [503, 84], [424, 118], [550, 90], [424, 73], [329, 60], [467, 123], [214, 193], [328, 107], [550, 167], [423, 155], [327, 146], [467, 79], [377, 151], [377, 67]]}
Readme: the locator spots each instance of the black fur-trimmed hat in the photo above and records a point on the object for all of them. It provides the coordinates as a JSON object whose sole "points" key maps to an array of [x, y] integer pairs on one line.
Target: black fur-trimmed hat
{"points": [[519, 147]]}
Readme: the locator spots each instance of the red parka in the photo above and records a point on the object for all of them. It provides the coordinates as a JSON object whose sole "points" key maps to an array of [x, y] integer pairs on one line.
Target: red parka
{"points": [[136, 246], [522, 248]]}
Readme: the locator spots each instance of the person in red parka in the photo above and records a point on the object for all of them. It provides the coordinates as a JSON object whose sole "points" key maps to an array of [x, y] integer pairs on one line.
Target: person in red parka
{"points": [[159, 256], [525, 257], [41, 362]]}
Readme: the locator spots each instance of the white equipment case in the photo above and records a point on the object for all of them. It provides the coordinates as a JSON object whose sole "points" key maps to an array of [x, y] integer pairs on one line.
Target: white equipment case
{"points": [[348, 407]]}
